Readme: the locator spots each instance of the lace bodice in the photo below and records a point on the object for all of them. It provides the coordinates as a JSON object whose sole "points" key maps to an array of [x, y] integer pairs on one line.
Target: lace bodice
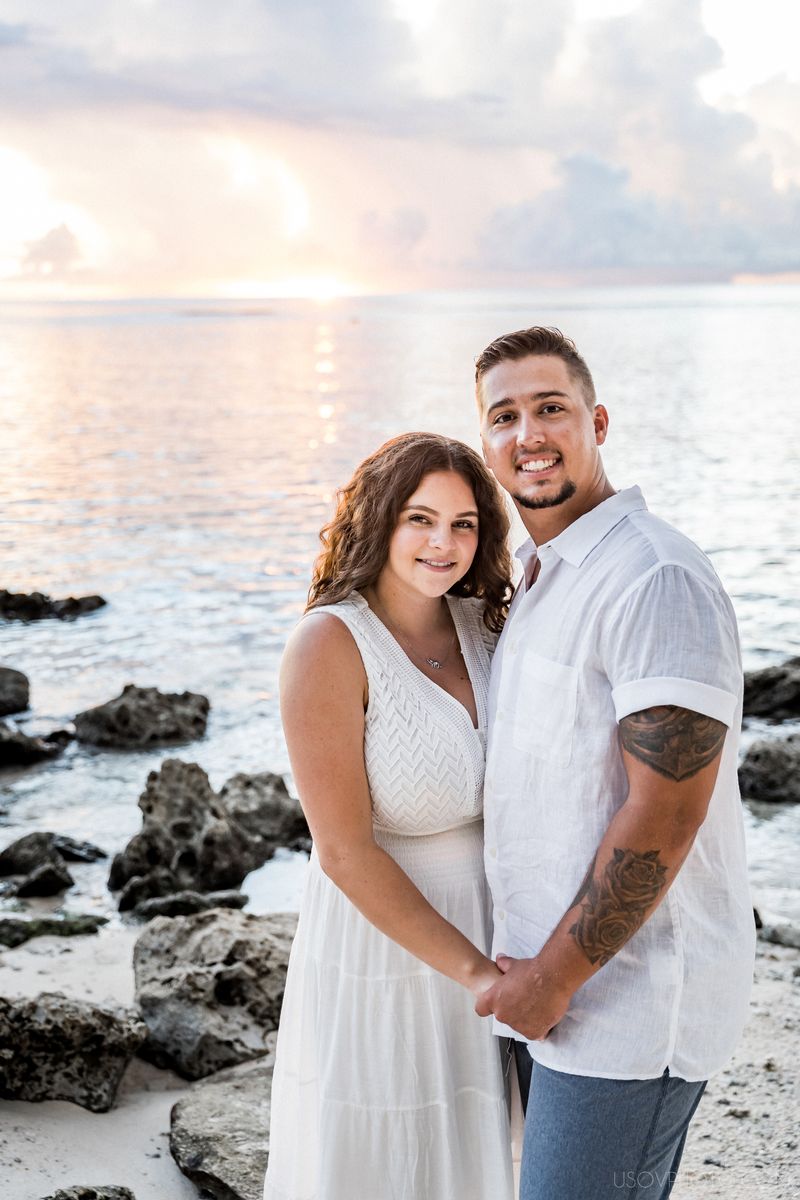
{"points": [[424, 757]]}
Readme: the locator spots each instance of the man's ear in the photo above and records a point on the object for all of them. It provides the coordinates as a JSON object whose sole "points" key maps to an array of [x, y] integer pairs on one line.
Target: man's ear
{"points": [[600, 419]]}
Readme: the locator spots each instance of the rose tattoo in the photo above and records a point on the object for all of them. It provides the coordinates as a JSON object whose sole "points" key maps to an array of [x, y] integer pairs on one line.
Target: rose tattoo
{"points": [[613, 907]]}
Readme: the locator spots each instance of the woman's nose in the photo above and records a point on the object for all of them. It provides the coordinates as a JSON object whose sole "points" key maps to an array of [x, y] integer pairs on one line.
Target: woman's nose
{"points": [[441, 535]]}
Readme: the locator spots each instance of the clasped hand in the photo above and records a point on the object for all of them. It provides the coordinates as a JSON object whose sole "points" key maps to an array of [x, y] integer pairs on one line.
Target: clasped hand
{"points": [[525, 999]]}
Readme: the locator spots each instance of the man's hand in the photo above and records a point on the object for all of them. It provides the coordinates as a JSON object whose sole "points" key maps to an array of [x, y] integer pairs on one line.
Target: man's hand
{"points": [[525, 998]]}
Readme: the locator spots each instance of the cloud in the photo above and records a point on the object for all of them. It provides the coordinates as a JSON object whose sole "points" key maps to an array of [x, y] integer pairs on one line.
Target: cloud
{"points": [[354, 64], [307, 60], [650, 177], [54, 255], [392, 235], [486, 138], [594, 221], [775, 106], [13, 35]]}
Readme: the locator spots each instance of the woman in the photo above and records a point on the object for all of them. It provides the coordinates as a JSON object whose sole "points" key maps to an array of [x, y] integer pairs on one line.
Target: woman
{"points": [[387, 1086]]}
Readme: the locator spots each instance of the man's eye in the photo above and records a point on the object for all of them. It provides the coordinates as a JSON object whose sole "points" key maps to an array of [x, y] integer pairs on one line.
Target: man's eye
{"points": [[553, 408], [503, 418]]}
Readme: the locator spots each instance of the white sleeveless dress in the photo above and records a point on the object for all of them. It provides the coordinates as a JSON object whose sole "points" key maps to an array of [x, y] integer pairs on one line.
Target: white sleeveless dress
{"points": [[387, 1086]]}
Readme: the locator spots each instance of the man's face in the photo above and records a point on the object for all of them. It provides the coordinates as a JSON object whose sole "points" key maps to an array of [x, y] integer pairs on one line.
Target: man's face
{"points": [[539, 437]]}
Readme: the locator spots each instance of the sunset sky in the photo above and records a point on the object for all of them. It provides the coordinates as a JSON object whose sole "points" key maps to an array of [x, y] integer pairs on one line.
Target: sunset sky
{"points": [[260, 147]]}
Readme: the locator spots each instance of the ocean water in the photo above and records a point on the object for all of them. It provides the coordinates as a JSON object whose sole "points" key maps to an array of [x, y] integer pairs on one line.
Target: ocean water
{"points": [[179, 458]]}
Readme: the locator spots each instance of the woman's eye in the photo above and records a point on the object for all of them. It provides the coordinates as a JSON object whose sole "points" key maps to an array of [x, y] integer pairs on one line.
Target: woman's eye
{"points": [[418, 518], [466, 525]]}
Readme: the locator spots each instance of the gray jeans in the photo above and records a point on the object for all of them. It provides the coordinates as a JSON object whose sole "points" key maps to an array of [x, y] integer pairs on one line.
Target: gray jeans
{"points": [[601, 1139]]}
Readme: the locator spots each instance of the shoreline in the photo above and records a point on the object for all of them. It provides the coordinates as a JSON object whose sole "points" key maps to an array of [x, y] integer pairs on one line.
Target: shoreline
{"points": [[746, 1122]]}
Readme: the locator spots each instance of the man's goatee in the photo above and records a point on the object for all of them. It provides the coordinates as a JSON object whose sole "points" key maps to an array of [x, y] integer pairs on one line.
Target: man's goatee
{"points": [[567, 491]]}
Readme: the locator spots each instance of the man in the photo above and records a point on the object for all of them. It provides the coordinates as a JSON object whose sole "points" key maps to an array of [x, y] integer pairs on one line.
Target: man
{"points": [[614, 835]]}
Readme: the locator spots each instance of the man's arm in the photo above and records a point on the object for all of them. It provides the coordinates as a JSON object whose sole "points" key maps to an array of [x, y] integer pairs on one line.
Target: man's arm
{"points": [[671, 757]]}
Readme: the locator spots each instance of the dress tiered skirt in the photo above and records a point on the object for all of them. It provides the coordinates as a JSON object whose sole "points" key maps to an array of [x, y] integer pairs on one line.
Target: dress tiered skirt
{"points": [[387, 1086]]}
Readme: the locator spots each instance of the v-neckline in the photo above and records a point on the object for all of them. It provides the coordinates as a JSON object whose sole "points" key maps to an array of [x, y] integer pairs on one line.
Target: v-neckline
{"points": [[466, 651]]}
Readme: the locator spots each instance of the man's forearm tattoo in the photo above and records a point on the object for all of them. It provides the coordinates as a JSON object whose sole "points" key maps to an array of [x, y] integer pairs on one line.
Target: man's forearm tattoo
{"points": [[615, 905], [675, 742]]}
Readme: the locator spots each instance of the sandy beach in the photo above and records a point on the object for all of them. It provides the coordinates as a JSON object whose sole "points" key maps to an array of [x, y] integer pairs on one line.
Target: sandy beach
{"points": [[743, 1142], [57, 1144]]}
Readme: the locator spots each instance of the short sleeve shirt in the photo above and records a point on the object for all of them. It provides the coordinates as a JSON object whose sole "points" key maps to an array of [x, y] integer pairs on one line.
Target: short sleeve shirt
{"points": [[626, 613]]}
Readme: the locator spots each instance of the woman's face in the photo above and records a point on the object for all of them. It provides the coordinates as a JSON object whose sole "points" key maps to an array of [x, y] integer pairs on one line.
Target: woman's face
{"points": [[436, 536]]}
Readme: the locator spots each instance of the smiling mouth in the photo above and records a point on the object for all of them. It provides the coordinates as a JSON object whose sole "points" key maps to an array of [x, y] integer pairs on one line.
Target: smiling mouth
{"points": [[436, 564], [538, 465]]}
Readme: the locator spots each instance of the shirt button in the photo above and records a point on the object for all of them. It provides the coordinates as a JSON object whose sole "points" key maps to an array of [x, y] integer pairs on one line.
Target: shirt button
{"points": [[493, 852], [501, 712], [501, 916]]}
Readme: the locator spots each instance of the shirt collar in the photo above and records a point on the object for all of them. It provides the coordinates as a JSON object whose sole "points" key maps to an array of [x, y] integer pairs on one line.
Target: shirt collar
{"points": [[579, 539]]}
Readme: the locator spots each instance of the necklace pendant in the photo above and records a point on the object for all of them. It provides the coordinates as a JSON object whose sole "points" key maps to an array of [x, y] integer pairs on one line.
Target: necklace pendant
{"points": [[434, 662]]}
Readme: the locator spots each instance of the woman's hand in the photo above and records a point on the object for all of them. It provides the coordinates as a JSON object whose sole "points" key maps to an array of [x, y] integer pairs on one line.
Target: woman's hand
{"points": [[483, 975]]}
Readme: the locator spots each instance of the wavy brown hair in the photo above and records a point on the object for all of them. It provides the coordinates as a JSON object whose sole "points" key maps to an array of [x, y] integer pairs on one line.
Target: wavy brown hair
{"points": [[355, 543]]}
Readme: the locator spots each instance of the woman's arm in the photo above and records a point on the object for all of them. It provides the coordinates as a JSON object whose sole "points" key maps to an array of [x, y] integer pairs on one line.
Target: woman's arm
{"points": [[323, 689]]}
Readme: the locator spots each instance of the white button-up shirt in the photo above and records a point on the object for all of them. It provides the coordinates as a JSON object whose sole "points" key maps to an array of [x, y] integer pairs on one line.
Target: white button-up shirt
{"points": [[626, 614]]}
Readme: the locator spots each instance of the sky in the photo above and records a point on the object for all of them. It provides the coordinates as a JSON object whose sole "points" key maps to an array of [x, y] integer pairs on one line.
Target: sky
{"points": [[320, 147]]}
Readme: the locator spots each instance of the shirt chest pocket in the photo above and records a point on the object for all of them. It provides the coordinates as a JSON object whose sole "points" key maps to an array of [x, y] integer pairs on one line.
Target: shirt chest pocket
{"points": [[542, 707]]}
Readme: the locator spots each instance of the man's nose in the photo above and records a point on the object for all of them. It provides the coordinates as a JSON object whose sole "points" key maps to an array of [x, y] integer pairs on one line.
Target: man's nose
{"points": [[530, 430]]}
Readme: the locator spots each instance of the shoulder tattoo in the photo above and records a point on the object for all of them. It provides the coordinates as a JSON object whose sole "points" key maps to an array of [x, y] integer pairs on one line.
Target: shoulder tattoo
{"points": [[675, 742]]}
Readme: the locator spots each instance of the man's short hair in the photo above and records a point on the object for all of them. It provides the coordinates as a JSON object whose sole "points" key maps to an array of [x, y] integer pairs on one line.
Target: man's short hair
{"points": [[539, 340]]}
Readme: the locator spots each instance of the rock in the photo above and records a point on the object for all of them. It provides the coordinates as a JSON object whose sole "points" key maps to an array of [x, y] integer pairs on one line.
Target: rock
{"points": [[773, 692], [17, 749], [210, 987], [141, 888], [92, 1193], [771, 770], [36, 848], [14, 691], [16, 930], [144, 717], [57, 1048], [48, 879], [35, 606], [189, 840], [783, 934], [74, 851], [181, 904], [40, 858], [263, 807], [219, 1134], [27, 852]]}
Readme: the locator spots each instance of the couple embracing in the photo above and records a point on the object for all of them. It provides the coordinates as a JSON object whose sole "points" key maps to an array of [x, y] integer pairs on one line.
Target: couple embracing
{"points": [[528, 884]]}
